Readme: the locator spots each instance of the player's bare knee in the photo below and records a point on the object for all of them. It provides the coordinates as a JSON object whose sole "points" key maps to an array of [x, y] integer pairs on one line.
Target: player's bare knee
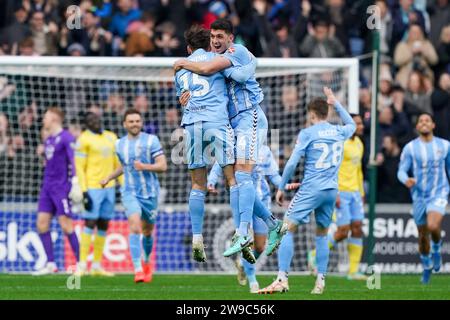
{"points": [[433, 227], [42, 225], [90, 223], [342, 232], [134, 223], [356, 229], [147, 229]]}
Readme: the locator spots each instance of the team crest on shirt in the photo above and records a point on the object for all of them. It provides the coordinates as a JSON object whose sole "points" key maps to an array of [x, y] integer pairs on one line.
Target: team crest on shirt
{"points": [[231, 50]]}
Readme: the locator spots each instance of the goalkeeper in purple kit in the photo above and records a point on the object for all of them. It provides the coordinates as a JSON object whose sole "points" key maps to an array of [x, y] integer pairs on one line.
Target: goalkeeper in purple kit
{"points": [[59, 185]]}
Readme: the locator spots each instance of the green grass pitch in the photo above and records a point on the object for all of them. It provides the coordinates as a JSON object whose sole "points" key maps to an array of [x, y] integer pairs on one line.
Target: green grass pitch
{"points": [[212, 287]]}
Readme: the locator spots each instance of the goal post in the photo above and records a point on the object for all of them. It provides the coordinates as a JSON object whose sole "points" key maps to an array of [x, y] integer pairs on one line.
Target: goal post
{"points": [[28, 86]]}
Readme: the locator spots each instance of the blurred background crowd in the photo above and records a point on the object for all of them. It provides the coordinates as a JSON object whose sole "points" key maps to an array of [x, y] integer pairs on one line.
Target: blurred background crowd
{"points": [[414, 70]]}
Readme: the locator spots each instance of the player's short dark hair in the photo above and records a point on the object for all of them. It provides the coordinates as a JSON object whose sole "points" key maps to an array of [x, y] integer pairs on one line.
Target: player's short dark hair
{"points": [[319, 106], [198, 37], [354, 115], [58, 111], [223, 24], [425, 114], [130, 112], [89, 114]]}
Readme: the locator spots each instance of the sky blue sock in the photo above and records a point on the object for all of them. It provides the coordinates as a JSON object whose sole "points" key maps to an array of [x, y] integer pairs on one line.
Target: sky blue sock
{"points": [[261, 211], [286, 252], [247, 194], [147, 244], [426, 261], [234, 204], [197, 210], [135, 250], [436, 246], [322, 254], [250, 270]]}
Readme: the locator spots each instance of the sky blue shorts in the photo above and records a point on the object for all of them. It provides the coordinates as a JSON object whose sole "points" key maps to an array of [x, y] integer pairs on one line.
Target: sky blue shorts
{"points": [[250, 129], [421, 207], [103, 201], [207, 142], [146, 208], [322, 202], [351, 208]]}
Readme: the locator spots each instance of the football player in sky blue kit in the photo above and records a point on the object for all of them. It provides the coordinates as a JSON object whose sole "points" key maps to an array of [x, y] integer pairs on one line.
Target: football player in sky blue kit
{"points": [[250, 129], [425, 169], [321, 145], [141, 157], [266, 167], [206, 125]]}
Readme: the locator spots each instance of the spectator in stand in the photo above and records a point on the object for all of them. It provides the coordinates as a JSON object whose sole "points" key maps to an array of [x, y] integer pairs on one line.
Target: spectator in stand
{"points": [[140, 41], [386, 25], [384, 96], [403, 17], [390, 190], [439, 17], [47, 7], [418, 93], [321, 44], [123, 18], [26, 47], [13, 34], [166, 41], [395, 123], [216, 10], [283, 45], [95, 40], [76, 50], [443, 52], [45, 37], [440, 103], [416, 53]]}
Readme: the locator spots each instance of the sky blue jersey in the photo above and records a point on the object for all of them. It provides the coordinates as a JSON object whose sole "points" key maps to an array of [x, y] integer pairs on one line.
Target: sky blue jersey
{"points": [[322, 147], [209, 98], [145, 148], [246, 95], [429, 164], [266, 167]]}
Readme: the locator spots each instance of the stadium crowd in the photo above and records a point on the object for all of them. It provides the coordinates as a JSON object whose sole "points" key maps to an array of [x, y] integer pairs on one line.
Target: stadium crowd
{"points": [[414, 70]]}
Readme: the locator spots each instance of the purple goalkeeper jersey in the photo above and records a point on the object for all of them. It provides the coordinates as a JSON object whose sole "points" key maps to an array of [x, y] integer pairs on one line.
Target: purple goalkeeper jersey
{"points": [[59, 160]]}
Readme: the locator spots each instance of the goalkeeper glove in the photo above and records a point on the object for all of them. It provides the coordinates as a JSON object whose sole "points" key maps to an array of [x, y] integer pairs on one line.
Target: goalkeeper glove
{"points": [[75, 194], [87, 201]]}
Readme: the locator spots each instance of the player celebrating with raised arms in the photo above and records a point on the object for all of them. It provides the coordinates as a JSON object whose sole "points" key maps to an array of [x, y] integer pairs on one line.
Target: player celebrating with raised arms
{"points": [[59, 184], [428, 159], [95, 158], [141, 157], [250, 129], [321, 145]]}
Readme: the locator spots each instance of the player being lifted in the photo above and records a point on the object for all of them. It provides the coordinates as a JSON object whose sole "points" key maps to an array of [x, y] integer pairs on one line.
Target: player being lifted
{"points": [[95, 159], [349, 204], [204, 117], [266, 167], [141, 157], [250, 129], [59, 184], [321, 145], [424, 163]]}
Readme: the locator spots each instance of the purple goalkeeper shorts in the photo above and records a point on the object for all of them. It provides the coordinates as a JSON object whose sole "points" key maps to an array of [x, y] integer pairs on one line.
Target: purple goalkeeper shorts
{"points": [[55, 201]]}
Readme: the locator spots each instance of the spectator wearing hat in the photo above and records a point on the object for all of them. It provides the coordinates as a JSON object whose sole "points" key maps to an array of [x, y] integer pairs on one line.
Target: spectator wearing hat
{"points": [[416, 53], [216, 10], [321, 44], [76, 50]]}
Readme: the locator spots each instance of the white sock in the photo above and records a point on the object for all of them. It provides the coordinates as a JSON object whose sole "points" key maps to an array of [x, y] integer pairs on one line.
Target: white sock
{"points": [[282, 275], [197, 238], [321, 279]]}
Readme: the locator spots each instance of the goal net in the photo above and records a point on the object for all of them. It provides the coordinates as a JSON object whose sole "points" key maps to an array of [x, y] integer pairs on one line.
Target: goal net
{"points": [[109, 86]]}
